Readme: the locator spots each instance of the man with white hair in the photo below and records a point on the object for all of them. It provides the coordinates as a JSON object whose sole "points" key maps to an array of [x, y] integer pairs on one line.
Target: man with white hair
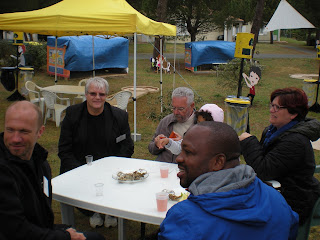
{"points": [[179, 121], [95, 128]]}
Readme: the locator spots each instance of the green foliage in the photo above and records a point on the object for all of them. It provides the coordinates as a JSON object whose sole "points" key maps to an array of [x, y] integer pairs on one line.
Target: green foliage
{"points": [[230, 73], [166, 107], [7, 49], [36, 54]]}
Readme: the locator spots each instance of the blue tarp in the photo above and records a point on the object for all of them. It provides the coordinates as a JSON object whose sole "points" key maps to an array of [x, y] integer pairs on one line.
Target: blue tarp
{"points": [[108, 53], [208, 52]]}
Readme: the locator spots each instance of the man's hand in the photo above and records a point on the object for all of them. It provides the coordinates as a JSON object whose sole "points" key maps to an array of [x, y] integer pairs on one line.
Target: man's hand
{"points": [[162, 142], [75, 235], [244, 136], [158, 142]]}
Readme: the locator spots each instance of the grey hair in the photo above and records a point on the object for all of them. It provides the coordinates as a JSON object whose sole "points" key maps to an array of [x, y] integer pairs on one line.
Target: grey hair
{"points": [[98, 82], [184, 92]]}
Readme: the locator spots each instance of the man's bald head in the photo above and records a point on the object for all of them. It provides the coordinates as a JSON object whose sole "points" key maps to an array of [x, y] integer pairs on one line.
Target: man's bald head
{"points": [[207, 147], [223, 139], [26, 106]]}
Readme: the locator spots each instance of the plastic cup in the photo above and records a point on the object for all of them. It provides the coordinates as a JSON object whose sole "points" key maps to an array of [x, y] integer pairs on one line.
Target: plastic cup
{"points": [[89, 159], [99, 189], [164, 171], [162, 201]]}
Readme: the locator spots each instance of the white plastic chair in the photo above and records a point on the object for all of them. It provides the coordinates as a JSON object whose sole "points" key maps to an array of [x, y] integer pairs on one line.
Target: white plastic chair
{"points": [[82, 98], [53, 107], [34, 95], [122, 99]]}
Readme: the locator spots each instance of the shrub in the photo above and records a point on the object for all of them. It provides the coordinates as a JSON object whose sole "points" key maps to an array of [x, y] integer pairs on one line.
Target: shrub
{"points": [[230, 73], [7, 49], [35, 55]]}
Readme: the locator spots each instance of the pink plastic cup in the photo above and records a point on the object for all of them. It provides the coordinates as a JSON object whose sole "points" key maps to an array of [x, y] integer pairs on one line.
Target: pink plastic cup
{"points": [[162, 201], [164, 171]]}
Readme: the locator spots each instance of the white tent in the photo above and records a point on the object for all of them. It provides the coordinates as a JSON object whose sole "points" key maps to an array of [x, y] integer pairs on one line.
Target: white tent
{"points": [[286, 17]]}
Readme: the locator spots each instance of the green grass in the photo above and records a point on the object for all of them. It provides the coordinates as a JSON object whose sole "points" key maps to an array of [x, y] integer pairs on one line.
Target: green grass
{"points": [[207, 86]]}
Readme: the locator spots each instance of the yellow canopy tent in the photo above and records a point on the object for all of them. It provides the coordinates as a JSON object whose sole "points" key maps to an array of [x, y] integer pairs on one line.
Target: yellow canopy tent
{"points": [[74, 17]]}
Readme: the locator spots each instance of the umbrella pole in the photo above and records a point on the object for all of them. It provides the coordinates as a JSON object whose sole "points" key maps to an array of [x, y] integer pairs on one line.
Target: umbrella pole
{"points": [[161, 74], [134, 87], [240, 79], [55, 61], [174, 62], [93, 64]]}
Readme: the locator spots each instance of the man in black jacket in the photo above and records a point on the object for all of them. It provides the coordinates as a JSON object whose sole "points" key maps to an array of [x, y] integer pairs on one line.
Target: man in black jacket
{"points": [[96, 128], [25, 180]]}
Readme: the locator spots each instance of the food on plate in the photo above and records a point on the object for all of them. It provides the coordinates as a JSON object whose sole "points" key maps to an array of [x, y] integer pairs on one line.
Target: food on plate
{"points": [[131, 176], [174, 197]]}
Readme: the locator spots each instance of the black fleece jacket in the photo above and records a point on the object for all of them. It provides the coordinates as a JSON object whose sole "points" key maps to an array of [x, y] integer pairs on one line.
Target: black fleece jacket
{"points": [[289, 159], [25, 210]]}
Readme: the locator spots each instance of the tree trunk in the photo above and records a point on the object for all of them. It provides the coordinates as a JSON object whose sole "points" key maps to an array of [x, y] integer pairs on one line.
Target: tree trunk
{"points": [[257, 21], [161, 17], [271, 37], [1, 34]]}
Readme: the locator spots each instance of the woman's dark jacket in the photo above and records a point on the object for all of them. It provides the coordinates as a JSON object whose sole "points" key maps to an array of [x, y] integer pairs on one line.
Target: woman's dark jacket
{"points": [[289, 159], [72, 142]]}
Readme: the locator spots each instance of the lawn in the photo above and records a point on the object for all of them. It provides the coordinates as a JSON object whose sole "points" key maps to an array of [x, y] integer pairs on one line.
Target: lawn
{"points": [[209, 88]]}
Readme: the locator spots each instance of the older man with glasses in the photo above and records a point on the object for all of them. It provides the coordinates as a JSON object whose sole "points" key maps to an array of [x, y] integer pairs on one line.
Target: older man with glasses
{"points": [[179, 121], [96, 128]]}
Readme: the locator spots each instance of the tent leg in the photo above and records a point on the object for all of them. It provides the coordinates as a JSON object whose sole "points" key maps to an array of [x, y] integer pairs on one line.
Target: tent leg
{"points": [[135, 134]]}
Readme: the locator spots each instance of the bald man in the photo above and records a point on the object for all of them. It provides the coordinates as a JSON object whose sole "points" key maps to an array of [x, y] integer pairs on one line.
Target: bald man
{"points": [[227, 200], [25, 180]]}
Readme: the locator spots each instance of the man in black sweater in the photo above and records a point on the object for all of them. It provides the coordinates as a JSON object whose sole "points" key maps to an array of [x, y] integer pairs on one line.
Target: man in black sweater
{"points": [[96, 128], [25, 180]]}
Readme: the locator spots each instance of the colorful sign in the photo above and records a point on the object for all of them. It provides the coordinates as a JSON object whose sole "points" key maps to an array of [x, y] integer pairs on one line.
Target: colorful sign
{"points": [[54, 54], [187, 59], [244, 45]]}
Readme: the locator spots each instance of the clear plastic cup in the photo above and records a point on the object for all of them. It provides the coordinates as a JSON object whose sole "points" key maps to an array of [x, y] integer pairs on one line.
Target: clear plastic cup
{"points": [[89, 159], [162, 201], [164, 170], [99, 189]]}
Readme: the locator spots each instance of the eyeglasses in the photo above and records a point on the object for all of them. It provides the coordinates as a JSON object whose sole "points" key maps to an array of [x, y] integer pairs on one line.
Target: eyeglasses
{"points": [[94, 94], [275, 107], [180, 109]]}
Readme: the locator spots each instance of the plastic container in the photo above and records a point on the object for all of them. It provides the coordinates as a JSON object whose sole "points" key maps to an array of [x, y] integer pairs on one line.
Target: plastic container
{"points": [[26, 73], [237, 113], [8, 78], [310, 88]]}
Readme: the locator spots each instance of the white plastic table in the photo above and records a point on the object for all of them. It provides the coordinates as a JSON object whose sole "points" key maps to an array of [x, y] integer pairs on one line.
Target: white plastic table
{"points": [[66, 89], [132, 201]]}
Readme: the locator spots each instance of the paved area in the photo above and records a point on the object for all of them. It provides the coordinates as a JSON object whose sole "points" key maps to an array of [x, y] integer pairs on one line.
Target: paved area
{"points": [[303, 53]]}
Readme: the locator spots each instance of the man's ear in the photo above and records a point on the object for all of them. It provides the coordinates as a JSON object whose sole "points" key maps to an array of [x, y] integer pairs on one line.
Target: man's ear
{"points": [[218, 162]]}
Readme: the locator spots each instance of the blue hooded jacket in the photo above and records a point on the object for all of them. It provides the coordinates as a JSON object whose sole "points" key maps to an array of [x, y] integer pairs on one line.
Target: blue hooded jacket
{"points": [[230, 204]]}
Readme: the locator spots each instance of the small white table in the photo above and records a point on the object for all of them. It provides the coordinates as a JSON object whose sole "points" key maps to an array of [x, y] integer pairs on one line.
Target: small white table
{"points": [[66, 89], [133, 201]]}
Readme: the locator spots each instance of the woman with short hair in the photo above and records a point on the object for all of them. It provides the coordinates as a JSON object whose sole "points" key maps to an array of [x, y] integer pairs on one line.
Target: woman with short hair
{"points": [[284, 152]]}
